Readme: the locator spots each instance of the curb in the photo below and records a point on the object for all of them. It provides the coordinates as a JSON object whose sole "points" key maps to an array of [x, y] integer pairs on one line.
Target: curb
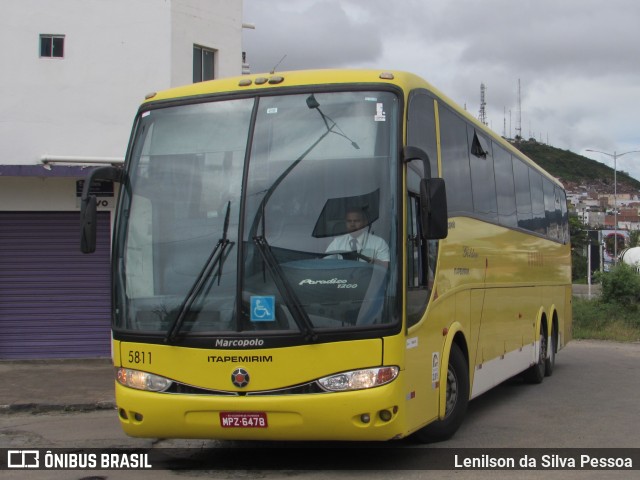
{"points": [[36, 408]]}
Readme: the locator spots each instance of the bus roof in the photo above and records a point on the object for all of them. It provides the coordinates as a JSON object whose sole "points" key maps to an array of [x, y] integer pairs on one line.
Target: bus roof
{"points": [[292, 78]]}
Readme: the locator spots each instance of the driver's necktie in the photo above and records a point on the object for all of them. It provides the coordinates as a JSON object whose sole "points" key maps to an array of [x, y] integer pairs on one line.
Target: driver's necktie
{"points": [[354, 245]]}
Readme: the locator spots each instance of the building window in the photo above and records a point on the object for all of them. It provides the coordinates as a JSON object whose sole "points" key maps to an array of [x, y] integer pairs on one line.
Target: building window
{"points": [[51, 46], [202, 64]]}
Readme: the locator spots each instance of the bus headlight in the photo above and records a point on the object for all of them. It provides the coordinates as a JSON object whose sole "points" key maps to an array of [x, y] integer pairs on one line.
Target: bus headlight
{"points": [[359, 379], [142, 380]]}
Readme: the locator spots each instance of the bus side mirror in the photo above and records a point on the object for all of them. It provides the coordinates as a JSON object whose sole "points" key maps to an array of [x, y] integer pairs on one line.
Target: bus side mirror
{"points": [[433, 209], [433, 197], [88, 206]]}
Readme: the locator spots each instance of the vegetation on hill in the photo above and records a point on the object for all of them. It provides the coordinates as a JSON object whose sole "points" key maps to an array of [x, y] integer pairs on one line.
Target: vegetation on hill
{"points": [[576, 170]]}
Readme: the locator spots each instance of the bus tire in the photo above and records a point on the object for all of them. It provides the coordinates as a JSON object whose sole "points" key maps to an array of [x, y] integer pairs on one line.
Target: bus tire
{"points": [[535, 373], [550, 361], [457, 400]]}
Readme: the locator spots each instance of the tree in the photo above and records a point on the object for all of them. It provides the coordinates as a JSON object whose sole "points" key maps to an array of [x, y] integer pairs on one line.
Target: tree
{"points": [[621, 285]]}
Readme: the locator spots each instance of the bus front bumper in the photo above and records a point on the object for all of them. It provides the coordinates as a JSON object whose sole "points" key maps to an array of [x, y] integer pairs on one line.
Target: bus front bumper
{"points": [[375, 414]]}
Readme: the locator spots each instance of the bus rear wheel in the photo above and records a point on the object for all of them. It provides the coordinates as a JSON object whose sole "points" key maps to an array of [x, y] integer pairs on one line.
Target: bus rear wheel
{"points": [[457, 399]]}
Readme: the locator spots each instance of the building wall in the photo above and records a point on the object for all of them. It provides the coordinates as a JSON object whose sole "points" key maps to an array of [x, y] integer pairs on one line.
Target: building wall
{"points": [[116, 51], [81, 106], [215, 24]]}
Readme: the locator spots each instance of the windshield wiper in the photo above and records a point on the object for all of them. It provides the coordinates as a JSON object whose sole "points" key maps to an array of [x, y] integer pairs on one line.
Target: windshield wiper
{"points": [[284, 287], [216, 259]]}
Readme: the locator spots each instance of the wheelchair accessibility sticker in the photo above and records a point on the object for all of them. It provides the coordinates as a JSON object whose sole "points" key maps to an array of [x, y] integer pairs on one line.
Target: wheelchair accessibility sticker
{"points": [[263, 309]]}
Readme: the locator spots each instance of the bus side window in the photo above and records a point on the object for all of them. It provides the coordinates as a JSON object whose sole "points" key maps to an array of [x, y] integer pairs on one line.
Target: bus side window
{"points": [[483, 180], [551, 213], [420, 255], [455, 162], [523, 194], [421, 126]]}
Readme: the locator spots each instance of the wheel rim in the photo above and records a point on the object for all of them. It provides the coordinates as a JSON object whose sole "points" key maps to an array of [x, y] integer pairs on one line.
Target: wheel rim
{"points": [[452, 391]]}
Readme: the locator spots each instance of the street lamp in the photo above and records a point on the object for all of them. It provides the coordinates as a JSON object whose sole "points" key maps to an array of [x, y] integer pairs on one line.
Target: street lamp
{"points": [[615, 156]]}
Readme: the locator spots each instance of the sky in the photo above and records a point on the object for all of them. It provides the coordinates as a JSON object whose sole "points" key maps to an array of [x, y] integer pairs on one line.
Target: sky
{"points": [[577, 61]]}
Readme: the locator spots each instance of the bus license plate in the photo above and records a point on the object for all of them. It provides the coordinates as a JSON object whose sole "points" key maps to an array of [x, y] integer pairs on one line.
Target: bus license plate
{"points": [[243, 420]]}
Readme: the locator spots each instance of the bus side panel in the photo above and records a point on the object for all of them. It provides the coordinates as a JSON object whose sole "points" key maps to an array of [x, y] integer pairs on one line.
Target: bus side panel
{"points": [[426, 352], [506, 345], [423, 349]]}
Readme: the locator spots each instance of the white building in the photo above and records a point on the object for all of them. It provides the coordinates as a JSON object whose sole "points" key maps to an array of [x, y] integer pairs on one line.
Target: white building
{"points": [[73, 75]]}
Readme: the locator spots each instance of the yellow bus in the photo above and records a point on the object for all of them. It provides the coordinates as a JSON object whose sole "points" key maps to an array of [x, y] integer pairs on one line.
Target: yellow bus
{"points": [[326, 255]]}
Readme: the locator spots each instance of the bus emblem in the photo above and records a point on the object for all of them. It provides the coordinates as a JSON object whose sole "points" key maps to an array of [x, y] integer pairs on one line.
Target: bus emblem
{"points": [[240, 377]]}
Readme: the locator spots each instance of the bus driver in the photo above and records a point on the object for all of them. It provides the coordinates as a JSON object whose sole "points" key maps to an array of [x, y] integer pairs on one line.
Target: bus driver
{"points": [[367, 247]]}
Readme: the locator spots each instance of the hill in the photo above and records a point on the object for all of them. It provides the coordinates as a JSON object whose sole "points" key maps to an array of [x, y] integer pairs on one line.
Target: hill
{"points": [[576, 171]]}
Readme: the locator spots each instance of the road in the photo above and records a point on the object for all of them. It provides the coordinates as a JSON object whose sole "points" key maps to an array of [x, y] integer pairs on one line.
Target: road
{"points": [[591, 401]]}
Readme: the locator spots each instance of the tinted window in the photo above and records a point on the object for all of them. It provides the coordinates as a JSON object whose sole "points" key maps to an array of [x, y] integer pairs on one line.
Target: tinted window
{"points": [[537, 202], [552, 217], [421, 127], [523, 193], [504, 187], [483, 182], [562, 199], [455, 161]]}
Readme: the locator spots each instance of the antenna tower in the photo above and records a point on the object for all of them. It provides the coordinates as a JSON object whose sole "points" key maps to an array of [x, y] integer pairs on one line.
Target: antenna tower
{"points": [[519, 119], [504, 122], [482, 116]]}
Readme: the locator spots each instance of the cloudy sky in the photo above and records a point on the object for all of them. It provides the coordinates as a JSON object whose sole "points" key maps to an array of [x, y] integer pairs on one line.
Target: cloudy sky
{"points": [[578, 61]]}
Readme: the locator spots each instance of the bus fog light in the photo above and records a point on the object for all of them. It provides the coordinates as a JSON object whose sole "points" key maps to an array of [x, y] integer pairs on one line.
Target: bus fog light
{"points": [[385, 415], [142, 380], [359, 379], [365, 418]]}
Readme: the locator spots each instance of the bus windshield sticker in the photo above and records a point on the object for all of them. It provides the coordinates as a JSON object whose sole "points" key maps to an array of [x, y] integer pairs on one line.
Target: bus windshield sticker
{"points": [[412, 342], [380, 116], [263, 308], [272, 110]]}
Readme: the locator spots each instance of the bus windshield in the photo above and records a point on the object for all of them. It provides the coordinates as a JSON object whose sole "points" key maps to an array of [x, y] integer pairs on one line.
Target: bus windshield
{"points": [[271, 214]]}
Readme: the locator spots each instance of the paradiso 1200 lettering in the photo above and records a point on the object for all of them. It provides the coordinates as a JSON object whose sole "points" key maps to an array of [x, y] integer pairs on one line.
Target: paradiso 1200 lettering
{"points": [[339, 283]]}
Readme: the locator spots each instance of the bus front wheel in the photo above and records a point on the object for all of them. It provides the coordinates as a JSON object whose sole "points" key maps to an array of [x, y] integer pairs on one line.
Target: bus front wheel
{"points": [[457, 399]]}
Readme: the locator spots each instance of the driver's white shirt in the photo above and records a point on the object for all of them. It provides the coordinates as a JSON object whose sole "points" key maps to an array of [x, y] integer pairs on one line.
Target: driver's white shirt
{"points": [[367, 244]]}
